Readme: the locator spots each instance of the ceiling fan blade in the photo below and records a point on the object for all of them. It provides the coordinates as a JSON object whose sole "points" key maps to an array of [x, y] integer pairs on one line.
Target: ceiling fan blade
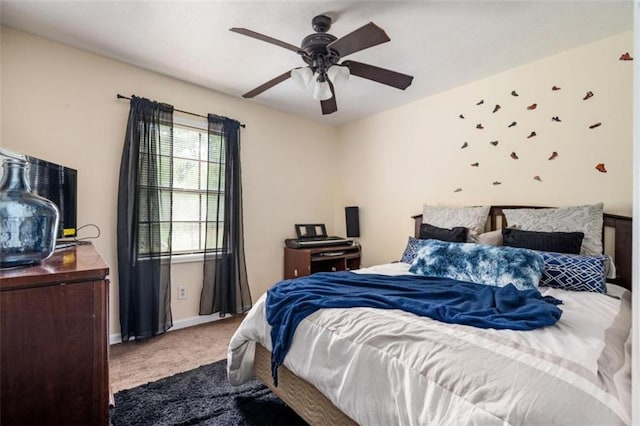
{"points": [[329, 106], [380, 75], [269, 84], [364, 37], [268, 39]]}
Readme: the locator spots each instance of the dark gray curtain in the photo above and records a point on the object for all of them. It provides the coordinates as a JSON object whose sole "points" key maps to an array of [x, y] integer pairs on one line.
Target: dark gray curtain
{"points": [[225, 288], [144, 221]]}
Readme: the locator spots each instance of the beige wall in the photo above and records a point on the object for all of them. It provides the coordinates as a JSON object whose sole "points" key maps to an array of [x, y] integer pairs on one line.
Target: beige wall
{"points": [[394, 162], [59, 103]]}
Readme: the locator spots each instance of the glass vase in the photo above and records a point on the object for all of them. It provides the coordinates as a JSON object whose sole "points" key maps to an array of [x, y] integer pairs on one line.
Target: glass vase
{"points": [[28, 222]]}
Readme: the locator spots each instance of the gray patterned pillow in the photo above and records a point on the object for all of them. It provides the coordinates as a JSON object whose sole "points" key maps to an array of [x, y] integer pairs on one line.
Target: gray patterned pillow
{"points": [[587, 219], [450, 217]]}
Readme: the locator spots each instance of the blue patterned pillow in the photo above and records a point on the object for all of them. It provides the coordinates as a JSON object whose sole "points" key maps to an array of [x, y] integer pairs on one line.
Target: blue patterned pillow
{"points": [[411, 250], [574, 272], [480, 264]]}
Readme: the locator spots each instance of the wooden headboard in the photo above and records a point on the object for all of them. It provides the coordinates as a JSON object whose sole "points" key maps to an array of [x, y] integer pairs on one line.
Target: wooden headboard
{"points": [[619, 246]]}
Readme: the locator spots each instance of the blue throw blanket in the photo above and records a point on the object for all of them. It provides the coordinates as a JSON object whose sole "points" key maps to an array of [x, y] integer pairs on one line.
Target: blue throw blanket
{"points": [[443, 299]]}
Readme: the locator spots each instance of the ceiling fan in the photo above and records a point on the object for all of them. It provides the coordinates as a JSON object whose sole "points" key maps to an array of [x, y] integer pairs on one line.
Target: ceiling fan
{"points": [[321, 52]]}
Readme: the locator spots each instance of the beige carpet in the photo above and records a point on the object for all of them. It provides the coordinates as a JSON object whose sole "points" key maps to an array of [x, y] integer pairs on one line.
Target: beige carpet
{"points": [[135, 363]]}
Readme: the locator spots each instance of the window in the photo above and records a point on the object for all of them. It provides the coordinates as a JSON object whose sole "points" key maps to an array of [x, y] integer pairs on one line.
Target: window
{"points": [[194, 175]]}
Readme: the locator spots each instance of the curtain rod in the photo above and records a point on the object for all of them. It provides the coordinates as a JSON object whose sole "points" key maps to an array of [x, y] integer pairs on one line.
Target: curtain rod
{"points": [[179, 110]]}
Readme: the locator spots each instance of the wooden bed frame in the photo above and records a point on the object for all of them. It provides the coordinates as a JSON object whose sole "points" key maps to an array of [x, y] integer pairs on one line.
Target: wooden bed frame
{"points": [[317, 409]]}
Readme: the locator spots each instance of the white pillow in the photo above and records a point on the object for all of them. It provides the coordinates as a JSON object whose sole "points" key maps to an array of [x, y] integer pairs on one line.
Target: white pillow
{"points": [[587, 219], [449, 217]]}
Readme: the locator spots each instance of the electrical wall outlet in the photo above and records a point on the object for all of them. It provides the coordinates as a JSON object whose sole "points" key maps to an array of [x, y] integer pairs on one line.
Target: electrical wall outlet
{"points": [[182, 292]]}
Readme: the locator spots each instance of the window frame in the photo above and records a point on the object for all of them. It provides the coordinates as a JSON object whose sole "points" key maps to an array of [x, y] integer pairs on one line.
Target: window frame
{"points": [[200, 255]]}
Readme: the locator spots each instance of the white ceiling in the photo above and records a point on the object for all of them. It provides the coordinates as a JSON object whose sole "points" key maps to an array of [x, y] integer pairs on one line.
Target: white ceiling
{"points": [[443, 44]]}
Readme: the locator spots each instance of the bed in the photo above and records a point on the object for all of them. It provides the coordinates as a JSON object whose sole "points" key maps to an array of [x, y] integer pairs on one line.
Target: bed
{"points": [[375, 366]]}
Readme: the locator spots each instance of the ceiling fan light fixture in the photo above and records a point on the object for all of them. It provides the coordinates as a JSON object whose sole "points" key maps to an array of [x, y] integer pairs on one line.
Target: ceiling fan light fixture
{"points": [[322, 53], [302, 76], [338, 75], [321, 90]]}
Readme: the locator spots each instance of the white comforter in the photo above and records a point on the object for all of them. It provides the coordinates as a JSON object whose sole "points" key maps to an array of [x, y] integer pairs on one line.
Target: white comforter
{"points": [[389, 367]]}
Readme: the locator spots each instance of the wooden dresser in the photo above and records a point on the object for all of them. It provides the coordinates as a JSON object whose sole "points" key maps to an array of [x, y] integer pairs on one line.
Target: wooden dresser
{"points": [[53, 341]]}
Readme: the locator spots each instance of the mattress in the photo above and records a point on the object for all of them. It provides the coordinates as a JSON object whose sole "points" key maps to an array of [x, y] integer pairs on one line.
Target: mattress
{"points": [[392, 367]]}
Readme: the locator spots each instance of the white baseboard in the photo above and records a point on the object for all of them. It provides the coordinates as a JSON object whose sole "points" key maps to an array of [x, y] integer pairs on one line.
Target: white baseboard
{"points": [[177, 325]]}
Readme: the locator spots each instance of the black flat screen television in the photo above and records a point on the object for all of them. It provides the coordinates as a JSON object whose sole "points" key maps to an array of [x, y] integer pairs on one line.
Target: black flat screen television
{"points": [[53, 182]]}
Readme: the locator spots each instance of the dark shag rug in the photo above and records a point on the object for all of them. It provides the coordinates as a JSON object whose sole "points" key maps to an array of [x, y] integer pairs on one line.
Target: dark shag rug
{"points": [[202, 396]]}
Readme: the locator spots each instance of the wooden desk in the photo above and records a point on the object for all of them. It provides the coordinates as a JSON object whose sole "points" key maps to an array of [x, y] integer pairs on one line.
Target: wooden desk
{"points": [[306, 261]]}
